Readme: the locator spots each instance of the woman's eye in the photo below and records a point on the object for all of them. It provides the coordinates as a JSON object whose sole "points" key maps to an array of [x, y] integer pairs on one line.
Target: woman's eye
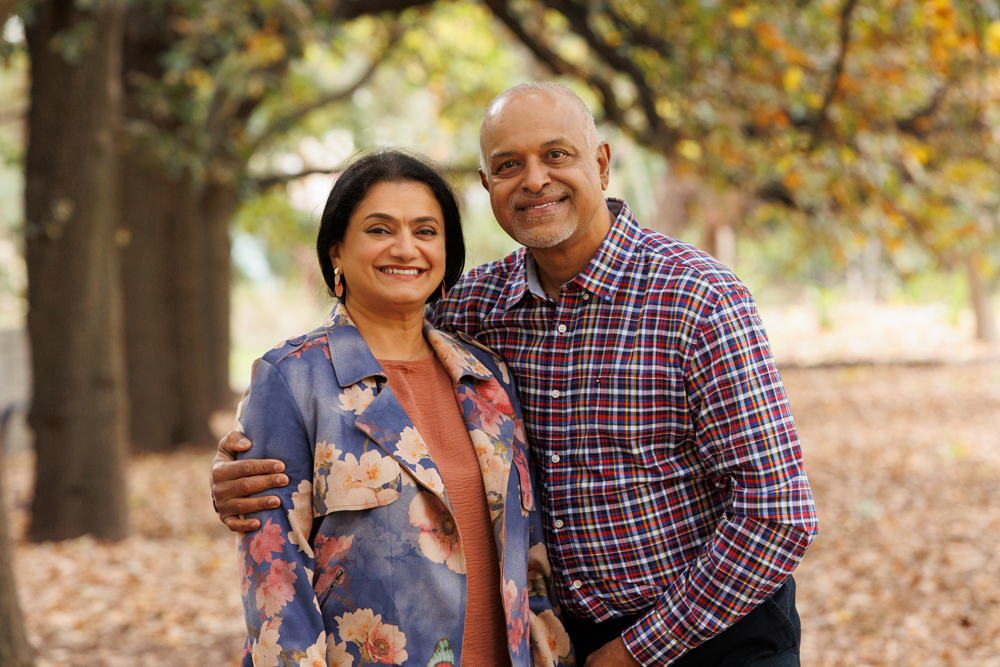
{"points": [[427, 232], [378, 230]]}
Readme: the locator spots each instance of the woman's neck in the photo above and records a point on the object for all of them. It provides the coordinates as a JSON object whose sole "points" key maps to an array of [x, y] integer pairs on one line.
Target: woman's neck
{"points": [[395, 336]]}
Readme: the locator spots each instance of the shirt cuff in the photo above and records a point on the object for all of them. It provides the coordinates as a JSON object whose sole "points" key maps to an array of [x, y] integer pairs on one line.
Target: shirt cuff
{"points": [[650, 643]]}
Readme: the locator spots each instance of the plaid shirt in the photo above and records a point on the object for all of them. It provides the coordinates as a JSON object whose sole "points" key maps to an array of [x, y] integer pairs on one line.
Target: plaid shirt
{"points": [[670, 470]]}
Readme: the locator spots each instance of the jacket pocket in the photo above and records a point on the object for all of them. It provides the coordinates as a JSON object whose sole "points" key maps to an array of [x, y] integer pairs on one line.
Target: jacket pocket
{"points": [[345, 482]]}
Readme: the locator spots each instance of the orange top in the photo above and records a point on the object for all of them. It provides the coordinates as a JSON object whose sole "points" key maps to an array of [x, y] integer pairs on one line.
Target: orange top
{"points": [[427, 394]]}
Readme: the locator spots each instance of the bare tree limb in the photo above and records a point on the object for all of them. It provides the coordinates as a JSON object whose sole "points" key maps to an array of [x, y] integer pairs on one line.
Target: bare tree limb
{"points": [[820, 121]]}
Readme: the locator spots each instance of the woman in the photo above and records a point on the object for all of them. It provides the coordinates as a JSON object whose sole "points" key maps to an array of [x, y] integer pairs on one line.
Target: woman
{"points": [[412, 521]]}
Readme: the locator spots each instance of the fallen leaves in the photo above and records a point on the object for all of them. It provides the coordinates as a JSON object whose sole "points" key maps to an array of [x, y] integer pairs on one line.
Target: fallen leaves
{"points": [[167, 596], [904, 464]]}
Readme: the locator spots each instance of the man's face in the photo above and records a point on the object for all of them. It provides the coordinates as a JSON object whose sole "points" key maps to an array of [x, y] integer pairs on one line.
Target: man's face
{"points": [[546, 185]]}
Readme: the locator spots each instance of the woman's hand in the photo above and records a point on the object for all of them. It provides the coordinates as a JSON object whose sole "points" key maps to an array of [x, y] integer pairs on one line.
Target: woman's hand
{"points": [[233, 481]]}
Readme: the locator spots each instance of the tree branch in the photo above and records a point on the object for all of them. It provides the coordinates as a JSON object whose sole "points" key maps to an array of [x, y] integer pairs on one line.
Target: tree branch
{"points": [[347, 10], [915, 123], [658, 133], [820, 121], [283, 123], [612, 111], [640, 35], [266, 182]]}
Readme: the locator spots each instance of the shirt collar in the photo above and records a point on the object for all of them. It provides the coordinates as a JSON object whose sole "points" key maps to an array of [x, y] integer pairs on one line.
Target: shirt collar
{"points": [[353, 360], [610, 263], [602, 275]]}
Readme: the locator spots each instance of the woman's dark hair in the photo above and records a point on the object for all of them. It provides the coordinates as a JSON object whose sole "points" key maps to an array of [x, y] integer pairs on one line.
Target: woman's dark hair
{"points": [[381, 166]]}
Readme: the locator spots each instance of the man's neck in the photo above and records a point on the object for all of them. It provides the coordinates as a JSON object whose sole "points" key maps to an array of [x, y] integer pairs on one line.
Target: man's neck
{"points": [[557, 266]]}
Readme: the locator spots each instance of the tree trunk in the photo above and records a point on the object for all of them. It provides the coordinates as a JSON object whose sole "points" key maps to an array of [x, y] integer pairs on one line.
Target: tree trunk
{"points": [[219, 205], [188, 279], [721, 212], [78, 408], [982, 302], [15, 651], [149, 200]]}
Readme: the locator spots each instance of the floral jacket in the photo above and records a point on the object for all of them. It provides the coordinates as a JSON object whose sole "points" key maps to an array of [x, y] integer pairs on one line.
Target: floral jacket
{"points": [[363, 562]]}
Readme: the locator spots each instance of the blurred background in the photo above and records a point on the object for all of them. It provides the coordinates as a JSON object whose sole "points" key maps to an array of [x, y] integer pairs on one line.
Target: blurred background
{"points": [[163, 164]]}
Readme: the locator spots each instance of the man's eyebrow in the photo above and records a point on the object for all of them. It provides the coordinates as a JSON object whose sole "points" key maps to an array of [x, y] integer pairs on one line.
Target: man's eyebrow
{"points": [[550, 142]]}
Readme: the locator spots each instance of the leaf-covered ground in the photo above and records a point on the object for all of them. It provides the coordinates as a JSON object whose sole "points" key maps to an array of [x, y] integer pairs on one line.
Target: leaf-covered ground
{"points": [[904, 462]]}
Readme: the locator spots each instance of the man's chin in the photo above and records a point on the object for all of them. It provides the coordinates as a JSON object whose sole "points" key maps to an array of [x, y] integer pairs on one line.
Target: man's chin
{"points": [[542, 237]]}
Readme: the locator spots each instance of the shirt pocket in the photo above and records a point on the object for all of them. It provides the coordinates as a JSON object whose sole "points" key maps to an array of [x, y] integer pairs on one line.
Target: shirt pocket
{"points": [[343, 481]]}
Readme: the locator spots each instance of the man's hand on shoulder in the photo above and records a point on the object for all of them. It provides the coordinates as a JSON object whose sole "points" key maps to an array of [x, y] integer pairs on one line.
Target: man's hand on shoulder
{"points": [[612, 654], [233, 481]]}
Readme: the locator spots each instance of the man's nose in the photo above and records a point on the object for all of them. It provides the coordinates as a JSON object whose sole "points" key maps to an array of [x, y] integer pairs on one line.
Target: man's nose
{"points": [[536, 175]]}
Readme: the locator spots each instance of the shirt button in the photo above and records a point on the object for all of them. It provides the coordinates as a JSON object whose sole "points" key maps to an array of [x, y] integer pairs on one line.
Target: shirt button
{"points": [[561, 328], [554, 393], [586, 297], [554, 458], [577, 584], [559, 523]]}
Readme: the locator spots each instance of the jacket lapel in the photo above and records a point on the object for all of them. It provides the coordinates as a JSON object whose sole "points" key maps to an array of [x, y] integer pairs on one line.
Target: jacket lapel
{"points": [[385, 422]]}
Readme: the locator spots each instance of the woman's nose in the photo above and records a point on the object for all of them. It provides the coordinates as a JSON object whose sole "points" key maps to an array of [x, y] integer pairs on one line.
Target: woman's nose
{"points": [[404, 247]]}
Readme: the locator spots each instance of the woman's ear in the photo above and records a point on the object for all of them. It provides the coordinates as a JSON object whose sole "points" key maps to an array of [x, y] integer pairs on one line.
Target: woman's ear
{"points": [[334, 253]]}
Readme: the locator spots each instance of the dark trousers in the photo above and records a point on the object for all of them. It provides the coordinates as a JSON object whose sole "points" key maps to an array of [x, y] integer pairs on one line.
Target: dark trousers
{"points": [[768, 636]]}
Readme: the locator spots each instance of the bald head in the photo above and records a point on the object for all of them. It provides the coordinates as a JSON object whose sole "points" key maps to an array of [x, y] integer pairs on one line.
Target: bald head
{"points": [[544, 92]]}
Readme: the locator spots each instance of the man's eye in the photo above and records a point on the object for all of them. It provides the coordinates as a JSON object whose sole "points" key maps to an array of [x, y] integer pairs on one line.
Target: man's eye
{"points": [[557, 154], [509, 164]]}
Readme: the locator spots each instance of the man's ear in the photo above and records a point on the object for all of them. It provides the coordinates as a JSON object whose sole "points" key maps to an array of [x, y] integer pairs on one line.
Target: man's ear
{"points": [[604, 163], [482, 179]]}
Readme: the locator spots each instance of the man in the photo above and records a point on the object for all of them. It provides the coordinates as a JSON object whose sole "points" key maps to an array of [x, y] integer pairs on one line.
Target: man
{"points": [[671, 477]]}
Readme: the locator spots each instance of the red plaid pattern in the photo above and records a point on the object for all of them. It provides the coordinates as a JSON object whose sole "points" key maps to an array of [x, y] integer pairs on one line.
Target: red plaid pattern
{"points": [[670, 469]]}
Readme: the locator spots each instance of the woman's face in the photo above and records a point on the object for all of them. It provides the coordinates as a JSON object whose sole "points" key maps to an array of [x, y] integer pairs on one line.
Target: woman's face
{"points": [[392, 257]]}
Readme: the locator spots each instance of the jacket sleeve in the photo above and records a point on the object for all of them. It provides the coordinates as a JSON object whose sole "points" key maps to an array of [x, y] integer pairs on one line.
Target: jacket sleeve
{"points": [[276, 562], [746, 437]]}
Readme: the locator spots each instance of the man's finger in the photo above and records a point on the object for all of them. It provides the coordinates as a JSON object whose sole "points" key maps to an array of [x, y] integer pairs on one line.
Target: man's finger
{"points": [[238, 525], [237, 489], [234, 442], [247, 486], [242, 506], [228, 471]]}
